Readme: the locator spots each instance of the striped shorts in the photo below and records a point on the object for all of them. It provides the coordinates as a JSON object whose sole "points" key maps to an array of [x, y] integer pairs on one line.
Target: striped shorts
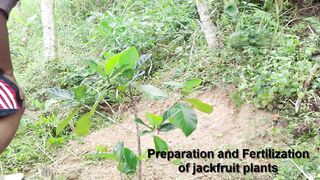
{"points": [[10, 101]]}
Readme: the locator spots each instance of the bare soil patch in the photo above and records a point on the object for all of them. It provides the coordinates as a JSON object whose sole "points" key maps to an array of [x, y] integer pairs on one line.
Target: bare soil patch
{"points": [[227, 128]]}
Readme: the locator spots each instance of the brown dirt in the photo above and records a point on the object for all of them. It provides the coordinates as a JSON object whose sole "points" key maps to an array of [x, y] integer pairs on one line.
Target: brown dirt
{"points": [[227, 128], [307, 9]]}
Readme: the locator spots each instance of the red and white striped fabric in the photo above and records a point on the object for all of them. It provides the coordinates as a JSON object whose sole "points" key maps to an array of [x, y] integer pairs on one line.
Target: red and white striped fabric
{"points": [[8, 96], [10, 101]]}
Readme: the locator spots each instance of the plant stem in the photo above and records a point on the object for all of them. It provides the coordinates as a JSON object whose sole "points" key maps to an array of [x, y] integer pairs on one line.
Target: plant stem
{"points": [[137, 130]]}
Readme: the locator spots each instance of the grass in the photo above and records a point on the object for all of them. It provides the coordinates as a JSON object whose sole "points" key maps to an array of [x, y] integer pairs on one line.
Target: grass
{"points": [[266, 59]]}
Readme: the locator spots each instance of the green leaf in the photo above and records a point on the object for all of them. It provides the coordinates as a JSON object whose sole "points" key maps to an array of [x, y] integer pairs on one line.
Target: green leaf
{"points": [[160, 144], [152, 92], [122, 88], [80, 92], [107, 55], [139, 121], [130, 57], [153, 119], [190, 85], [96, 104], [107, 156], [183, 117], [60, 94], [166, 127], [66, 121], [129, 164], [111, 64], [83, 124], [118, 151], [120, 70], [201, 106], [125, 60]]}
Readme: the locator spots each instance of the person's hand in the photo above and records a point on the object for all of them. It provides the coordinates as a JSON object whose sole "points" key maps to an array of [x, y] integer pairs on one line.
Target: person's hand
{"points": [[11, 77]]}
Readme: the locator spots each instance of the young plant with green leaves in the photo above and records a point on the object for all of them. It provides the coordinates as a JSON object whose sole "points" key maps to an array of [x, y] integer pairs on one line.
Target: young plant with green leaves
{"points": [[122, 73]]}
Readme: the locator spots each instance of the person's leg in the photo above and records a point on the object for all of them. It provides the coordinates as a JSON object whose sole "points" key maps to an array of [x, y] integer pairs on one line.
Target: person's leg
{"points": [[8, 128], [9, 124]]}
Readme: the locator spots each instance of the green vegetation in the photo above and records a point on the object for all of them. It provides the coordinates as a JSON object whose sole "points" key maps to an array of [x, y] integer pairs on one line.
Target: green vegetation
{"points": [[267, 51]]}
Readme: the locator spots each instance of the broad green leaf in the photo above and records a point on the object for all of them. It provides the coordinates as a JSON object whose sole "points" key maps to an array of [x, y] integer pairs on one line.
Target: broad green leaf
{"points": [[139, 121], [183, 117], [111, 64], [166, 127], [124, 60], [80, 92], [118, 71], [60, 94], [201, 106], [118, 151], [96, 104], [129, 164], [190, 85], [107, 55], [66, 121], [160, 144], [83, 124], [130, 57], [152, 92], [153, 119]]}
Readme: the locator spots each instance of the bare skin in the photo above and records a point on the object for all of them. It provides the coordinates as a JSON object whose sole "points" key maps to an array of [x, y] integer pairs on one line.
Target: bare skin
{"points": [[8, 128], [9, 124]]}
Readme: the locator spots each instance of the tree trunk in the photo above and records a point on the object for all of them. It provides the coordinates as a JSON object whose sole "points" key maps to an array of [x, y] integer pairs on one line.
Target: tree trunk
{"points": [[49, 34], [209, 29]]}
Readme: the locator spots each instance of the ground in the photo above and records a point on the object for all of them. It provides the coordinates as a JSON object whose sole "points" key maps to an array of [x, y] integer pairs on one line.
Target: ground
{"points": [[228, 127]]}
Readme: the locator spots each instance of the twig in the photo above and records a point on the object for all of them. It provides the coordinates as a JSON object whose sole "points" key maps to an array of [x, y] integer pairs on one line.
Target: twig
{"points": [[51, 158], [137, 131], [307, 175], [310, 7], [109, 119]]}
